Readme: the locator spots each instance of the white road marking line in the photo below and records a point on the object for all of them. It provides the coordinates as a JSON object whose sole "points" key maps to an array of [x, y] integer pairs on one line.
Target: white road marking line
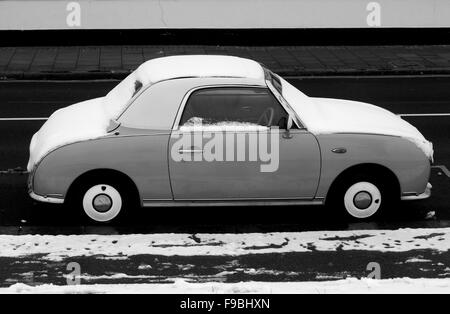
{"points": [[20, 102], [424, 114], [23, 119]]}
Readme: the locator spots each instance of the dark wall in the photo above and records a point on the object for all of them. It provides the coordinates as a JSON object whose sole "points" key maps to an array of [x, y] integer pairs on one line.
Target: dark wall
{"points": [[247, 37]]}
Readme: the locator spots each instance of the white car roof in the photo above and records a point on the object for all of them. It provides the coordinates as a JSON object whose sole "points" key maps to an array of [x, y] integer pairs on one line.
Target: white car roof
{"points": [[190, 66], [173, 67]]}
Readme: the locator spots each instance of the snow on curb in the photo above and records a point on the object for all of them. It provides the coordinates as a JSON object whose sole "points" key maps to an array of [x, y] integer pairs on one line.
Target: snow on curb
{"points": [[120, 246], [351, 285]]}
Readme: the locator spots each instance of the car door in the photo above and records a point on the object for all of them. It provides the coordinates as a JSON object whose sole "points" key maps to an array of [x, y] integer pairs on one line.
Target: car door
{"points": [[231, 143]]}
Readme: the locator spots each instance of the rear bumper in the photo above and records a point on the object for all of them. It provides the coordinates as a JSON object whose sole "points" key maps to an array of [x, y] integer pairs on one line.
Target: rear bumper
{"points": [[46, 199], [53, 198], [422, 196]]}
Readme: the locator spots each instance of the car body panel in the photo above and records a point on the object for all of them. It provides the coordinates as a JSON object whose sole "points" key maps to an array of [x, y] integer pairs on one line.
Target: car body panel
{"points": [[397, 154], [294, 176], [142, 157], [140, 148], [138, 153]]}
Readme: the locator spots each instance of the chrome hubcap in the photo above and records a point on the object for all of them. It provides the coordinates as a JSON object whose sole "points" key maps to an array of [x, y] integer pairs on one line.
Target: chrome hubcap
{"points": [[102, 203], [362, 200]]}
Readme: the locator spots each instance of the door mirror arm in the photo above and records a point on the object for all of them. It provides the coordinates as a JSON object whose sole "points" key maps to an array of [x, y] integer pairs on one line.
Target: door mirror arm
{"points": [[113, 125], [290, 121], [289, 124]]}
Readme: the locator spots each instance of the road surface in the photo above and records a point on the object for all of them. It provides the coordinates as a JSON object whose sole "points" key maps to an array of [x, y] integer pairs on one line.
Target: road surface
{"points": [[24, 105]]}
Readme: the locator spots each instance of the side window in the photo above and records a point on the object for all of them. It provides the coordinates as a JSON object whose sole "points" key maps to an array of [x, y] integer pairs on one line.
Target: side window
{"points": [[234, 106], [157, 106]]}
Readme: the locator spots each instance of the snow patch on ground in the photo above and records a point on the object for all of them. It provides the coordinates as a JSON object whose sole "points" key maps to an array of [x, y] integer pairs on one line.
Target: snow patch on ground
{"points": [[119, 246], [418, 260], [180, 286], [112, 277]]}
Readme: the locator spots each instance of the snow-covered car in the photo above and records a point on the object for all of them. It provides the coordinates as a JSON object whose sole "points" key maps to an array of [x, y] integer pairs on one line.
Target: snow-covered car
{"points": [[134, 146]]}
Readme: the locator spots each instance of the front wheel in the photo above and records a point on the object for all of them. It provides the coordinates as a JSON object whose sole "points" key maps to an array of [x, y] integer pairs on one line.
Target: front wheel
{"points": [[362, 200], [362, 197]]}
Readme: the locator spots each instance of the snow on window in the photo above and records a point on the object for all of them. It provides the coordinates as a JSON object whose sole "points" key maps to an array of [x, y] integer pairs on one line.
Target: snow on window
{"points": [[197, 123]]}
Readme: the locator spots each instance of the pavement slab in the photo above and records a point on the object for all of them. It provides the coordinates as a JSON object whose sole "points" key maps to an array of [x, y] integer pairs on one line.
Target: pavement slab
{"points": [[103, 62]]}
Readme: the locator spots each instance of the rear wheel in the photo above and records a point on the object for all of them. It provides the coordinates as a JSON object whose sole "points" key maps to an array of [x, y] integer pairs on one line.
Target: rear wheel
{"points": [[102, 202], [102, 198]]}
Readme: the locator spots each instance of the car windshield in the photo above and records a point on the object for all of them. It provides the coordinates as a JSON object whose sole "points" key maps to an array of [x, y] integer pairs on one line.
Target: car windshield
{"points": [[119, 96], [274, 79], [300, 103]]}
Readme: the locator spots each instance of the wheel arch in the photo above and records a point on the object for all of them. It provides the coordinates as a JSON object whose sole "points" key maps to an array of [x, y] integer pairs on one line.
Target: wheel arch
{"points": [[380, 171], [109, 173]]}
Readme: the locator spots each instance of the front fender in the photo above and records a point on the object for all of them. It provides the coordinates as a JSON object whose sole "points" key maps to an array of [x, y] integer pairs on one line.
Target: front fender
{"points": [[401, 156]]}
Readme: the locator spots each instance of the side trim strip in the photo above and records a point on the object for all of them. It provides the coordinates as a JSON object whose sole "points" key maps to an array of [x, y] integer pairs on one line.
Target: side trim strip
{"points": [[217, 203]]}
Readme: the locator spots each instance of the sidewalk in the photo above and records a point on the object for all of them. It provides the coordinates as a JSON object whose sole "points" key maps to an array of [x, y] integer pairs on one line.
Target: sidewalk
{"points": [[102, 62]]}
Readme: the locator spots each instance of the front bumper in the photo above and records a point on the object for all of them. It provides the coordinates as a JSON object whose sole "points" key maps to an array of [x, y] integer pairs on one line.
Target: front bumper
{"points": [[422, 196]]}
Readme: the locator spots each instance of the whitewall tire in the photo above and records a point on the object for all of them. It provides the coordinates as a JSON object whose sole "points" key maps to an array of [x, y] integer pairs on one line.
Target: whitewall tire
{"points": [[102, 203], [362, 200]]}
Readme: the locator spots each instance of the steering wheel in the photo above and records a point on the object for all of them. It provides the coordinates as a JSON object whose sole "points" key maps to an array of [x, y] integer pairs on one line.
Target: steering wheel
{"points": [[266, 117]]}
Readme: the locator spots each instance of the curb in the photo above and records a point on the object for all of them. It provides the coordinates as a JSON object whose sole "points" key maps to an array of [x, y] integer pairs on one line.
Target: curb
{"points": [[119, 75]]}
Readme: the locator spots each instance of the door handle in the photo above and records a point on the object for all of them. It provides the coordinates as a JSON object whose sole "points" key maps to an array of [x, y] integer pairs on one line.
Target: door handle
{"points": [[191, 150], [339, 150]]}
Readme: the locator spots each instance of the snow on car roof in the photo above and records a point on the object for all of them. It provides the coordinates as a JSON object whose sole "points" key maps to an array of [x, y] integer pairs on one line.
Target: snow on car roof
{"points": [[167, 68], [172, 67]]}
